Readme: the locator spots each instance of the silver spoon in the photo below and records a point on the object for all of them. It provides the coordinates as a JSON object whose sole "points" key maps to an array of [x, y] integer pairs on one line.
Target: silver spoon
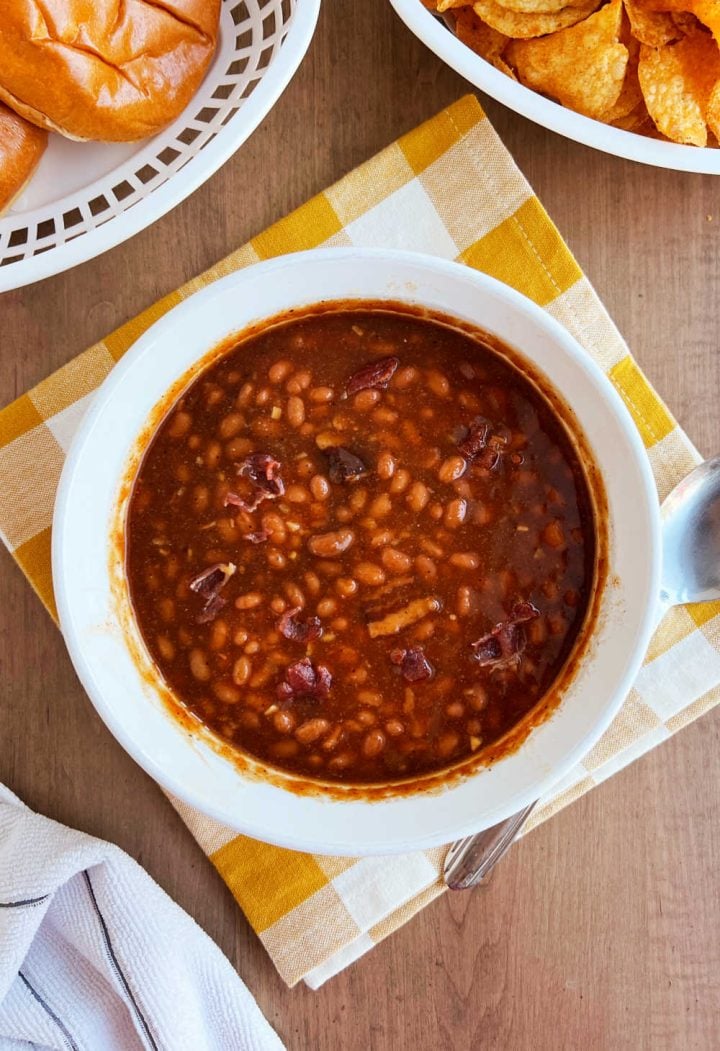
{"points": [[690, 573]]}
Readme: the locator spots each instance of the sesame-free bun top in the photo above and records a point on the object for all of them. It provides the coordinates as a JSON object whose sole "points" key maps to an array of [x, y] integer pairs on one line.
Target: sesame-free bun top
{"points": [[111, 70], [21, 147]]}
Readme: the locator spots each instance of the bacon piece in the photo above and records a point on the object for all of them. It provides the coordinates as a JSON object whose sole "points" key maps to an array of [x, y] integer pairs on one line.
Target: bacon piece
{"points": [[476, 439], [299, 631], [414, 665], [263, 472], [209, 584], [377, 374], [482, 447], [503, 646], [342, 464], [303, 679], [258, 537]]}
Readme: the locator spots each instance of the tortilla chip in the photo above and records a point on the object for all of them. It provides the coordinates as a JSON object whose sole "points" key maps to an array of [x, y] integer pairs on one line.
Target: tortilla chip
{"points": [[583, 67], [653, 28], [677, 82], [637, 121], [525, 25]]}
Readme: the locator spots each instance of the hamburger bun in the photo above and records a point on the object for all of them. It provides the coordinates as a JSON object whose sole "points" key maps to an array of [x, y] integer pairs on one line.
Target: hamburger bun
{"points": [[110, 70], [21, 147]]}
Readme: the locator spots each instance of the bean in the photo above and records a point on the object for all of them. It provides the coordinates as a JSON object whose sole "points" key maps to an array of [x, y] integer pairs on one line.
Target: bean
{"points": [[263, 396], [321, 395], [218, 634], [383, 415], [284, 722], [358, 498], [278, 604], [385, 465], [452, 468], [339, 624], [371, 697], [447, 743], [325, 439], [463, 602], [438, 383], [249, 601], [182, 473], [244, 395], [394, 728], [242, 670], [455, 513], [294, 593], [365, 400], [250, 720], [227, 530], [167, 650], [326, 607], [240, 637], [553, 535], [431, 548], [477, 697], [311, 729], [280, 371], [426, 568], [273, 523], [325, 545], [199, 667], [381, 538], [465, 560], [373, 743], [536, 631], [404, 377], [424, 631], [395, 561], [455, 709], [284, 749], [332, 739], [262, 677], [252, 647], [295, 411], [299, 382], [417, 497], [305, 467], [275, 558], [226, 692], [357, 676], [370, 574], [166, 607], [330, 569], [312, 583], [366, 717], [319, 487], [297, 494], [346, 586], [200, 499], [213, 452], [436, 511], [556, 623], [400, 481], [473, 726], [341, 761], [468, 400], [482, 515], [381, 506], [230, 425], [180, 424]]}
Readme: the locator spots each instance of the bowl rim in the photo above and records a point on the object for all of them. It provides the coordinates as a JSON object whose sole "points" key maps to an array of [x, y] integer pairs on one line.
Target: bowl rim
{"points": [[166, 777], [551, 115]]}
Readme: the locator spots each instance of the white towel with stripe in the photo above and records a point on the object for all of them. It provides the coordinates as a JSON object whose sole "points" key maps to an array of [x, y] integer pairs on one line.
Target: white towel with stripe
{"points": [[94, 956]]}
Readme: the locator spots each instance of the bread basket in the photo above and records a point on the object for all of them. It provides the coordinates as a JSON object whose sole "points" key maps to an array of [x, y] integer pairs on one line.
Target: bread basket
{"points": [[88, 197]]}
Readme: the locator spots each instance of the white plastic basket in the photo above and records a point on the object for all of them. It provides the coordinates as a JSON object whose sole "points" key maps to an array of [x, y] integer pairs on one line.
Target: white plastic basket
{"points": [[433, 32], [88, 197]]}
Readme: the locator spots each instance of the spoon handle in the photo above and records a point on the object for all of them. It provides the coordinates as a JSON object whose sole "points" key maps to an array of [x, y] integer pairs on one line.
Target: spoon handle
{"points": [[469, 860]]}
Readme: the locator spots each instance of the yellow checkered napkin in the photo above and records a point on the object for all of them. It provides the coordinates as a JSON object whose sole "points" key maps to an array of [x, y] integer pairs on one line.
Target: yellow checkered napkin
{"points": [[451, 189]]}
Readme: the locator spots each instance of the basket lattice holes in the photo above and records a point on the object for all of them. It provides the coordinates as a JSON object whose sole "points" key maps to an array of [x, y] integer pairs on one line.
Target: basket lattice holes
{"points": [[252, 33]]}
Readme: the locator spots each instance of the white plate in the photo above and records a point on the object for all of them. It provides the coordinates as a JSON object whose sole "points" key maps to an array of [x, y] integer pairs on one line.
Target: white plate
{"points": [[118, 685], [87, 197], [542, 110]]}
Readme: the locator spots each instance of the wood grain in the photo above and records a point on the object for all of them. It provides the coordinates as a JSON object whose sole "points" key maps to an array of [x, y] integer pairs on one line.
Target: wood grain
{"points": [[600, 930]]}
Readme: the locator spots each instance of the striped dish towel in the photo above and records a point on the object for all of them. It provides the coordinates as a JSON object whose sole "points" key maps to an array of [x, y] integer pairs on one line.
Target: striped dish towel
{"points": [[448, 188]]}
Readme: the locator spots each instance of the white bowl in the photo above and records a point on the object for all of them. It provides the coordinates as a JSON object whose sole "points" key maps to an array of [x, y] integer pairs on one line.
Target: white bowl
{"points": [[122, 691], [544, 111]]}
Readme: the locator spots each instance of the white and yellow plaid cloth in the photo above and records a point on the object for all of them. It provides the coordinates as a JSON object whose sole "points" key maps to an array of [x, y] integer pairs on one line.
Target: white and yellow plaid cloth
{"points": [[451, 189]]}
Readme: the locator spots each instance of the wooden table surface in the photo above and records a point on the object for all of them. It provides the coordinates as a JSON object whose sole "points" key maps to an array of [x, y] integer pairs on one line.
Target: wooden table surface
{"points": [[601, 929]]}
